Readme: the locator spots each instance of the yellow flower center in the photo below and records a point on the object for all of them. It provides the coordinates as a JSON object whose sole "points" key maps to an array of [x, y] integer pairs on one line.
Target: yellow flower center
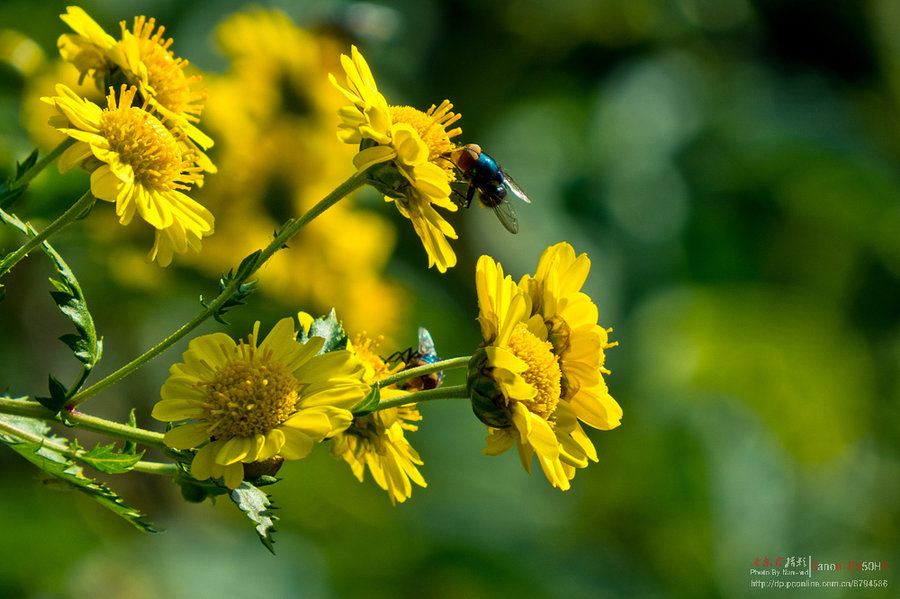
{"points": [[543, 371], [248, 396], [432, 128], [165, 72], [145, 144]]}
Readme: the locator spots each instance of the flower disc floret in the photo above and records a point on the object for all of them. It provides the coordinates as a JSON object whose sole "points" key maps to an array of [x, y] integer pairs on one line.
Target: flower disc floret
{"points": [[249, 396], [543, 371]]}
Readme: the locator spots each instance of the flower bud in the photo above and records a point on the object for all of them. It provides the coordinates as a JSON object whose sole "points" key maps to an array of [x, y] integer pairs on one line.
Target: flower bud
{"points": [[488, 402]]}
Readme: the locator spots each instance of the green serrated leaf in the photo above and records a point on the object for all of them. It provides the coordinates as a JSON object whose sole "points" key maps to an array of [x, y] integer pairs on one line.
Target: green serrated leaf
{"points": [[368, 404], [105, 458], [64, 469], [330, 329], [256, 505]]}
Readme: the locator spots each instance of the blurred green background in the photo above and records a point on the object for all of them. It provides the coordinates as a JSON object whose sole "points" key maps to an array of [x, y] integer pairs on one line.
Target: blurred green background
{"points": [[731, 169]]}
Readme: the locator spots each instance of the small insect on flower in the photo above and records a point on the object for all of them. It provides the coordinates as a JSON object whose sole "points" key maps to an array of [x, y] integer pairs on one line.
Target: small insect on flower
{"points": [[482, 174], [424, 354]]}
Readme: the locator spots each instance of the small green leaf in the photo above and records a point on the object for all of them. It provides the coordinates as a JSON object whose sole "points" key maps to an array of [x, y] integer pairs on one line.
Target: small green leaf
{"points": [[24, 166], [104, 458], [368, 404], [256, 505], [58, 395], [330, 329], [244, 270], [9, 191], [131, 446]]}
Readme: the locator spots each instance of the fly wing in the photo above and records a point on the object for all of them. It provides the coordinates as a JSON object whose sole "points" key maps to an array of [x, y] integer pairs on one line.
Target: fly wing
{"points": [[507, 216], [428, 351], [512, 186], [459, 193], [426, 346]]}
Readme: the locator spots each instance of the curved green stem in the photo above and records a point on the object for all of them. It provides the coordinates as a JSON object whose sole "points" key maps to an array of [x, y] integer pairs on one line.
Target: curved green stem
{"points": [[67, 217], [451, 392], [403, 375], [33, 409], [36, 168], [114, 429], [289, 230]]}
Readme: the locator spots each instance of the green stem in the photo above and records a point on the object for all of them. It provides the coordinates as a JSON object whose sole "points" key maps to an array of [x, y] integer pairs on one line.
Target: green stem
{"points": [[451, 392], [33, 409], [289, 230], [403, 375], [69, 216], [162, 469], [39, 166], [114, 429]]}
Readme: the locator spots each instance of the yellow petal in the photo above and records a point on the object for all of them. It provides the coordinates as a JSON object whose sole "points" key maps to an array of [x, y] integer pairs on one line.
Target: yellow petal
{"points": [[204, 461], [233, 450], [234, 475], [172, 410], [297, 444], [187, 436]]}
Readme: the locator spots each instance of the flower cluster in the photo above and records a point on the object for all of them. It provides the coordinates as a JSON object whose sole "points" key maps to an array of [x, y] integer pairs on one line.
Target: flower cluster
{"points": [[236, 409], [142, 149]]}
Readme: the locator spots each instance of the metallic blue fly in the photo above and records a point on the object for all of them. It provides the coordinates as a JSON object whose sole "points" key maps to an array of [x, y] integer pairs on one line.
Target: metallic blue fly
{"points": [[424, 354], [494, 186]]}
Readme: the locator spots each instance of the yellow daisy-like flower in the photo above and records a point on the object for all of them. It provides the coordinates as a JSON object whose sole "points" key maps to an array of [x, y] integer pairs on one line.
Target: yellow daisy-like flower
{"points": [[377, 440], [540, 370], [136, 162], [410, 142], [143, 56], [253, 401]]}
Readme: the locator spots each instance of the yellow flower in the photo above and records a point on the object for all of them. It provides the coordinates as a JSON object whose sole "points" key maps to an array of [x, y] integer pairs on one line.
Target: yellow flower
{"points": [[409, 142], [377, 440], [135, 162], [571, 320], [252, 402], [540, 369], [145, 60]]}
